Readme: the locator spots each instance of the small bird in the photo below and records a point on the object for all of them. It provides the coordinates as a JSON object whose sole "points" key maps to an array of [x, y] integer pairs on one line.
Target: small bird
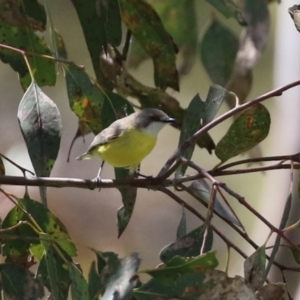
{"points": [[127, 141]]}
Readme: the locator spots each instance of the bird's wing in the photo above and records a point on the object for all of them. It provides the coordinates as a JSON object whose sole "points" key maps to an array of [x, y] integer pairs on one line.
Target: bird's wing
{"points": [[105, 136]]}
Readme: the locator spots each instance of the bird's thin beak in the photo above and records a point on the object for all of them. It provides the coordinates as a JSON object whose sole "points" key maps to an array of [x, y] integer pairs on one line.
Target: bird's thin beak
{"points": [[169, 120]]}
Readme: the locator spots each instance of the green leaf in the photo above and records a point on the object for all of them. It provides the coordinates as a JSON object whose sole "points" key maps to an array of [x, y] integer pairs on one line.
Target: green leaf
{"points": [[197, 115], [178, 265], [23, 38], [128, 198], [181, 229], [95, 107], [100, 22], [53, 271], [36, 11], [120, 282], [188, 245], [19, 283], [46, 220], [41, 126], [180, 20], [218, 48], [113, 25], [79, 285], [248, 130], [146, 26], [255, 268]]}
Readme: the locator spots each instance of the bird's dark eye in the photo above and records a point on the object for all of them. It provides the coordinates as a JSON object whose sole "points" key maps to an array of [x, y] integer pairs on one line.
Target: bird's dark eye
{"points": [[154, 118]]}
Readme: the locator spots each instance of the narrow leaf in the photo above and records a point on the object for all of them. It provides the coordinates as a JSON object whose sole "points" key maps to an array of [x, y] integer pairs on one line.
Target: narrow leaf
{"points": [[181, 229], [146, 26], [128, 198], [248, 130]]}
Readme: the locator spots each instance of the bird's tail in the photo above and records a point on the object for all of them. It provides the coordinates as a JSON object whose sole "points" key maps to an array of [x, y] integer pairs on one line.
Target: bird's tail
{"points": [[84, 156]]}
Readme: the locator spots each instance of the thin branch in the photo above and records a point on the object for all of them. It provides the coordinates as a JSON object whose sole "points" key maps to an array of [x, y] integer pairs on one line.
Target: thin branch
{"points": [[193, 139], [196, 213], [259, 159], [23, 170], [258, 215]]}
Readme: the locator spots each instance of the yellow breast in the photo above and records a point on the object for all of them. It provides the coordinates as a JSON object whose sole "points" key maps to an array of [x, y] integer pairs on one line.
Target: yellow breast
{"points": [[129, 149]]}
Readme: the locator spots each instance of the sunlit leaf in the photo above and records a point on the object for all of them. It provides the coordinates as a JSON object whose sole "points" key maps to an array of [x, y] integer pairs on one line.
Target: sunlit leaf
{"points": [[53, 271], [43, 69], [248, 130], [46, 220], [218, 49], [146, 26]]}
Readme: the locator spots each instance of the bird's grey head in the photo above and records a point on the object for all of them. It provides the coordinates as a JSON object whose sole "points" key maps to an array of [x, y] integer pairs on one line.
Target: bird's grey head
{"points": [[152, 120]]}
